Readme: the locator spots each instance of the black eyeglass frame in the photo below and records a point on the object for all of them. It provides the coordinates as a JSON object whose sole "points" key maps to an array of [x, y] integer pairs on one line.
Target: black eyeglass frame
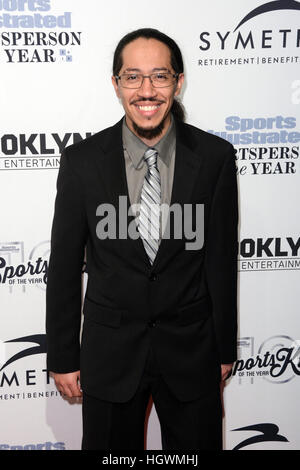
{"points": [[174, 75]]}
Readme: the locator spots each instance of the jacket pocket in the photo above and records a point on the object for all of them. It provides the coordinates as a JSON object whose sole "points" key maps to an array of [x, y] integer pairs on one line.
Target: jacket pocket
{"points": [[98, 313], [195, 311]]}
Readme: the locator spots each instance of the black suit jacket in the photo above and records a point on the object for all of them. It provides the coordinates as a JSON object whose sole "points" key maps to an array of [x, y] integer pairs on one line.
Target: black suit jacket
{"points": [[184, 305]]}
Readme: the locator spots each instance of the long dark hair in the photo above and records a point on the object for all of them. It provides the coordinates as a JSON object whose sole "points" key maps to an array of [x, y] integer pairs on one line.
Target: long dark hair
{"points": [[176, 58]]}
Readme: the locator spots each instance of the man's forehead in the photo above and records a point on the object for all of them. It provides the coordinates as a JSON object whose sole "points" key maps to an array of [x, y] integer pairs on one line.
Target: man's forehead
{"points": [[142, 48]]}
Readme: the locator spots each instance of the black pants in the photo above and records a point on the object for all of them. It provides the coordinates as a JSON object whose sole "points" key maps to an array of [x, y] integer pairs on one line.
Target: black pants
{"points": [[194, 425]]}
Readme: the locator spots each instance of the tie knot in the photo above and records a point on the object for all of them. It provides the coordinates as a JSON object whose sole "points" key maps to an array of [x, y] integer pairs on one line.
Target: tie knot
{"points": [[150, 157]]}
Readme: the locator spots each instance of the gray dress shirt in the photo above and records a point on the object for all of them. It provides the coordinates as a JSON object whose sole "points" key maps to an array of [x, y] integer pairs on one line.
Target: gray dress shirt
{"points": [[136, 167]]}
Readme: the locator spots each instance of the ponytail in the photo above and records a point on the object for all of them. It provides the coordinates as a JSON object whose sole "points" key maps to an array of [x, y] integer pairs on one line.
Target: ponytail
{"points": [[178, 110]]}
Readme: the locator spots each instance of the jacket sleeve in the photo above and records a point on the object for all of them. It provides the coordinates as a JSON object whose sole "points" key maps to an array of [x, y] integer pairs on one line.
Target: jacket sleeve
{"points": [[64, 284], [221, 258]]}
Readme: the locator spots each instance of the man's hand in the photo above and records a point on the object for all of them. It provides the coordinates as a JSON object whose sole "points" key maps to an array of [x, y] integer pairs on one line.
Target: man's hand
{"points": [[225, 371], [68, 384]]}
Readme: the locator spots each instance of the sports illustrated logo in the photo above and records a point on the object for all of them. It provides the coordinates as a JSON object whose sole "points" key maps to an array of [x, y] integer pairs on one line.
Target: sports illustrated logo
{"points": [[17, 272], [264, 146], [187, 222], [22, 43], [277, 360], [18, 382], [269, 254], [268, 432], [45, 446], [246, 36], [35, 151]]}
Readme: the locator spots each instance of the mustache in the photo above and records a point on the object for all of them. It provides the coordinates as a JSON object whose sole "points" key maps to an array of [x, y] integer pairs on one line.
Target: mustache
{"points": [[154, 100]]}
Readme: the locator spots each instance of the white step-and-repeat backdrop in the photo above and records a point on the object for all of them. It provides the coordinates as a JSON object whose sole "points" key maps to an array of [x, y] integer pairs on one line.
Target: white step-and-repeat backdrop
{"points": [[242, 83]]}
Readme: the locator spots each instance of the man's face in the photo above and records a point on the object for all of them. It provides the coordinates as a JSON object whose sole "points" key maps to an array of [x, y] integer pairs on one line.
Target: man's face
{"points": [[147, 108]]}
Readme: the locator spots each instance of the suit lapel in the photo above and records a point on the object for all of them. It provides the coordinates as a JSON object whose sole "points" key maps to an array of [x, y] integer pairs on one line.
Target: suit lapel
{"points": [[113, 173], [112, 166]]}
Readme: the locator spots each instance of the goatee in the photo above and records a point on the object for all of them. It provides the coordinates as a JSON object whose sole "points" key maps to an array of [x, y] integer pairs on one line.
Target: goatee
{"points": [[149, 133]]}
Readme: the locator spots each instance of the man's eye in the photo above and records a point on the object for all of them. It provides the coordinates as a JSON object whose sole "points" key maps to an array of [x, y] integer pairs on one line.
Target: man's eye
{"points": [[161, 76], [132, 78]]}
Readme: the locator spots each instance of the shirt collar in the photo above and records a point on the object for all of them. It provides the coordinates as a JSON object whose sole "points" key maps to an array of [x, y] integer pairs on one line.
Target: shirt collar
{"points": [[136, 148]]}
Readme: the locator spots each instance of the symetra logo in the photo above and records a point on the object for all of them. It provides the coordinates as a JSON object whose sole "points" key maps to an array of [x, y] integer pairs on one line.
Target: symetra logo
{"points": [[241, 45], [40, 348], [268, 432], [268, 7], [19, 20], [19, 382], [265, 145]]}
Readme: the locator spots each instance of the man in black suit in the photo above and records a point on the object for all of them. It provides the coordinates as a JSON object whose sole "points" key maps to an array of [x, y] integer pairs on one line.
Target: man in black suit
{"points": [[160, 313]]}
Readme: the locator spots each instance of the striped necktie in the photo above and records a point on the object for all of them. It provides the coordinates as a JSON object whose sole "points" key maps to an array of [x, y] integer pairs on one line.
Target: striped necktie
{"points": [[149, 218]]}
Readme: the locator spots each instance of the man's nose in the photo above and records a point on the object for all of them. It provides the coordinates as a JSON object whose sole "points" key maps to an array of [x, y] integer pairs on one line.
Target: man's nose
{"points": [[147, 89]]}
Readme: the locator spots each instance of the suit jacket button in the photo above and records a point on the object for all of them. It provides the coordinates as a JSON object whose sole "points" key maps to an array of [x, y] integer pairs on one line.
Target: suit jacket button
{"points": [[153, 277], [152, 323]]}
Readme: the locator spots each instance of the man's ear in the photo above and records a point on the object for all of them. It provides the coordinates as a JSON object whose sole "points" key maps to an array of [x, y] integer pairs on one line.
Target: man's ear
{"points": [[115, 85], [179, 84]]}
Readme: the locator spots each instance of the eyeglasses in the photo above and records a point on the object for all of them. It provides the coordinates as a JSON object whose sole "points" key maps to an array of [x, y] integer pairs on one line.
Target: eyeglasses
{"points": [[158, 79]]}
